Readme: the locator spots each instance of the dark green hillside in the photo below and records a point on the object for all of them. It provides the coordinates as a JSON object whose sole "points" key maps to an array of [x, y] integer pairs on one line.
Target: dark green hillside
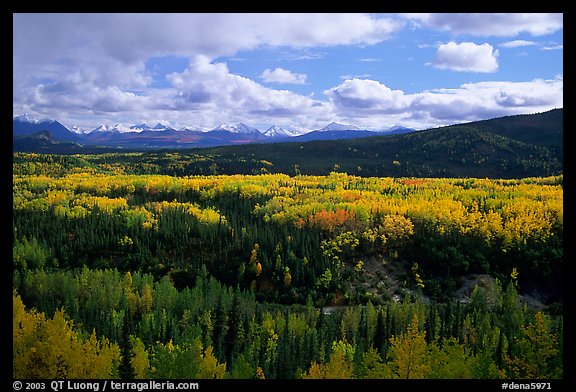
{"points": [[507, 147], [543, 129]]}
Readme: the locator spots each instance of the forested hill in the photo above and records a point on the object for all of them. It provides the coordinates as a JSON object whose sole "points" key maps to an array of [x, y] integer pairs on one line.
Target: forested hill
{"points": [[507, 147], [542, 129]]}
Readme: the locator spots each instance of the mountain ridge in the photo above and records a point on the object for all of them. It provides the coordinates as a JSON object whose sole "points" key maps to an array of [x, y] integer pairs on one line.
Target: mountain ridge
{"points": [[494, 148], [139, 135]]}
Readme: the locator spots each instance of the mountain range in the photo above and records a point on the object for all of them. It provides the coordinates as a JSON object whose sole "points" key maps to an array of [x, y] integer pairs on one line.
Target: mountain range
{"points": [[527, 145], [164, 136]]}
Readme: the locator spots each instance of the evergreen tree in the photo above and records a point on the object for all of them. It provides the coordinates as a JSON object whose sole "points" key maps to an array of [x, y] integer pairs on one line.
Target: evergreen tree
{"points": [[126, 370]]}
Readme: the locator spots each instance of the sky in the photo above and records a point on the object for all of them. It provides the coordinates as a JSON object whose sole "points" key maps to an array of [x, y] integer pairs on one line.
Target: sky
{"points": [[299, 71]]}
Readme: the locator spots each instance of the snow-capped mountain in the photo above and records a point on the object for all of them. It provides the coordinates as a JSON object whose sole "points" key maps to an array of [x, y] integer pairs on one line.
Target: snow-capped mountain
{"points": [[192, 128], [276, 131], [398, 129], [161, 135], [240, 128], [140, 127], [26, 118], [118, 128], [27, 125], [334, 126], [102, 128], [161, 127], [78, 130]]}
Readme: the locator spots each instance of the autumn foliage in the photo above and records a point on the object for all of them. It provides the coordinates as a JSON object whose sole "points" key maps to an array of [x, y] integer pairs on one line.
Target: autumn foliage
{"points": [[119, 273]]}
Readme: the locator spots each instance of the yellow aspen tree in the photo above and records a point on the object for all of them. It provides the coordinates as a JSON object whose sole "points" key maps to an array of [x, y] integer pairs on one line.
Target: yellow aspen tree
{"points": [[50, 348], [209, 366], [340, 365], [287, 278], [140, 362], [408, 353], [259, 374], [536, 354]]}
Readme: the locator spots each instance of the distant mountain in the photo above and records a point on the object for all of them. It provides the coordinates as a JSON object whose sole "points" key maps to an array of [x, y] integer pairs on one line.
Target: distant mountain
{"points": [[163, 136], [161, 127], [192, 128], [326, 134], [541, 133], [333, 126], [335, 131], [279, 132], [239, 128], [397, 130], [26, 125], [118, 128]]}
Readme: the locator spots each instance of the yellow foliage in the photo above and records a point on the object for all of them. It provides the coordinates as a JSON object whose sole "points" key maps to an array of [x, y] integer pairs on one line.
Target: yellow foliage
{"points": [[50, 348], [408, 353]]}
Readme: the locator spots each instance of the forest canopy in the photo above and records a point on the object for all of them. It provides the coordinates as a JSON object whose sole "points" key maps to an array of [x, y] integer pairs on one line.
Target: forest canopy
{"points": [[281, 276]]}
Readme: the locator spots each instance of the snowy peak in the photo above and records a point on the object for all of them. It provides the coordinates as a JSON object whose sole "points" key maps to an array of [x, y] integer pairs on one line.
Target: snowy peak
{"points": [[140, 127], [191, 128], [145, 127], [118, 128], [78, 130], [27, 125], [103, 128], [237, 128], [276, 131], [160, 127], [122, 128], [334, 126], [26, 118]]}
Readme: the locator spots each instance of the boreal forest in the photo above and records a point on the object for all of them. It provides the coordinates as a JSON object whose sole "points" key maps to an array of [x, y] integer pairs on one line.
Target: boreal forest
{"points": [[126, 265]]}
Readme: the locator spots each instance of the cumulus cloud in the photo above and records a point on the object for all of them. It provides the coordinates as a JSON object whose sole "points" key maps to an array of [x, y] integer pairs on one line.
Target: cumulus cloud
{"points": [[370, 100], [230, 96], [367, 96], [466, 57], [281, 75], [490, 24], [75, 92]]}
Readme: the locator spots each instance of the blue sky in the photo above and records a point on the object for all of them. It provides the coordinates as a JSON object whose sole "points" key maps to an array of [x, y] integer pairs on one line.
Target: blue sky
{"points": [[304, 71]]}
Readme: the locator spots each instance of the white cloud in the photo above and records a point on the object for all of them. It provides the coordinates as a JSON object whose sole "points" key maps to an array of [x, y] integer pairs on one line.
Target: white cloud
{"points": [[553, 47], [134, 37], [490, 24], [466, 57], [371, 102], [517, 43], [370, 60], [368, 96], [281, 75], [220, 96]]}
